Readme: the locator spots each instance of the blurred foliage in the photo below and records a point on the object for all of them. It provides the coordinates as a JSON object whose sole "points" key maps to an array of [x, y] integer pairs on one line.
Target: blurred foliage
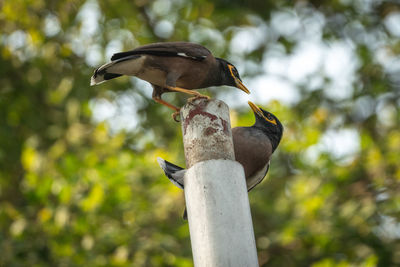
{"points": [[81, 191]]}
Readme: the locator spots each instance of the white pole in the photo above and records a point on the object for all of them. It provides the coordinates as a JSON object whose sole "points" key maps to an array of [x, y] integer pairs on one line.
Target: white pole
{"points": [[221, 229]]}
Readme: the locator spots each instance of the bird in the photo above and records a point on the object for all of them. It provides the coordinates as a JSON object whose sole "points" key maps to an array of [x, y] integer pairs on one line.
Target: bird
{"points": [[171, 67], [253, 148]]}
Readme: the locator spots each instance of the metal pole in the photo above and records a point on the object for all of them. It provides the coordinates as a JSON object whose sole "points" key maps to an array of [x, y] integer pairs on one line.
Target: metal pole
{"points": [[221, 229]]}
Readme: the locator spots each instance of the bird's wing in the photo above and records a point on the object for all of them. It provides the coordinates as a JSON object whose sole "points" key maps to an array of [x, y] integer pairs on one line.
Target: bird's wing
{"points": [[261, 175], [180, 49], [174, 173]]}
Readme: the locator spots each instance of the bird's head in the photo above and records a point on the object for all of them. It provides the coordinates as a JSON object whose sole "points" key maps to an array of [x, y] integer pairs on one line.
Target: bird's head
{"points": [[231, 75], [268, 123]]}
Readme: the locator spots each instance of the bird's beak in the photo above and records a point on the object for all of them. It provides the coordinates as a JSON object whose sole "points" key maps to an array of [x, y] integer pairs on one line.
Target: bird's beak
{"points": [[258, 112], [241, 86], [256, 109]]}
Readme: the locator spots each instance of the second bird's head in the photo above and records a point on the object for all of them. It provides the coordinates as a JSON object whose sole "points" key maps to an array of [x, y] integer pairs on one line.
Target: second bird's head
{"points": [[268, 123], [231, 75]]}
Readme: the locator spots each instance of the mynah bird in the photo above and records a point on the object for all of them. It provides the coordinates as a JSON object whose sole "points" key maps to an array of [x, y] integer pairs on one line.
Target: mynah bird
{"points": [[253, 147], [171, 67]]}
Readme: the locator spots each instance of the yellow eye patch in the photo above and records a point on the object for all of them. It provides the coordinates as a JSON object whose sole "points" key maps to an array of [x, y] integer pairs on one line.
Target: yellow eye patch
{"points": [[231, 68], [238, 82]]}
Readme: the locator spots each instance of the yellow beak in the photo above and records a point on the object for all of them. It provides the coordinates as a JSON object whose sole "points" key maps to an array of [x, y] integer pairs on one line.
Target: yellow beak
{"points": [[241, 86], [256, 109]]}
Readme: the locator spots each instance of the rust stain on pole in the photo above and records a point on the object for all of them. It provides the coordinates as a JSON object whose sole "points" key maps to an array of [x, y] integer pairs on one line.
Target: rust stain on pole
{"points": [[206, 135]]}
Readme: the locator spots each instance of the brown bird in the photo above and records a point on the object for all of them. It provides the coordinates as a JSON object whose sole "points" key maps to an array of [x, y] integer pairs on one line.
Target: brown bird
{"points": [[253, 147], [171, 67]]}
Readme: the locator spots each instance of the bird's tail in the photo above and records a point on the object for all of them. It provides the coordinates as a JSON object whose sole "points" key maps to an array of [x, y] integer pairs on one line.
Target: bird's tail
{"points": [[123, 66], [174, 173], [184, 216], [103, 74]]}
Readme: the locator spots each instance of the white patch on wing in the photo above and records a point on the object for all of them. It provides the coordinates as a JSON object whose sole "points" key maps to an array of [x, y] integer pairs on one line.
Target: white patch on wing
{"points": [[181, 54]]}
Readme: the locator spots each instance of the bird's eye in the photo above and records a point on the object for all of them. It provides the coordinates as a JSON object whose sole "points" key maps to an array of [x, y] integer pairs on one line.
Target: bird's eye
{"points": [[234, 72], [270, 118]]}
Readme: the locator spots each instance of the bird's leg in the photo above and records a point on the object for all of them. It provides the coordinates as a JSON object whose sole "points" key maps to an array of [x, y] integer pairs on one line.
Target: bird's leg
{"points": [[186, 91], [195, 93], [157, 92], [165, 103], [170, 84]]}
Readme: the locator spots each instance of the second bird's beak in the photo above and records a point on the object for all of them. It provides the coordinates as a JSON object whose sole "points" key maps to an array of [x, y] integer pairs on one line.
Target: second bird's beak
{"points": [[241, 86], [256, 109]]}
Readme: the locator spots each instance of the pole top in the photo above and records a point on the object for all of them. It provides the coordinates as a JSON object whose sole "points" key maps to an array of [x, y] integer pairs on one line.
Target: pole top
{"points": [[206, 131]]}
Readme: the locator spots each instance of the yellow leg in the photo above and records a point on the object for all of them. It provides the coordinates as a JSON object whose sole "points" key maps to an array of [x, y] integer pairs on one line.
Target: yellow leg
{"points": [[165, 103], [187, 91]]}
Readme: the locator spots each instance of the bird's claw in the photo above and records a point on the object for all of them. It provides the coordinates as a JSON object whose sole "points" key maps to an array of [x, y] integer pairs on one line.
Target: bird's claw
{"points": [[175, 114], [190, 100]]}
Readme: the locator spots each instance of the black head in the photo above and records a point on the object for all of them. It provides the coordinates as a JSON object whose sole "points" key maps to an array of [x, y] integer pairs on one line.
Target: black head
{"points": [[231, 75], [268, 123]]}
